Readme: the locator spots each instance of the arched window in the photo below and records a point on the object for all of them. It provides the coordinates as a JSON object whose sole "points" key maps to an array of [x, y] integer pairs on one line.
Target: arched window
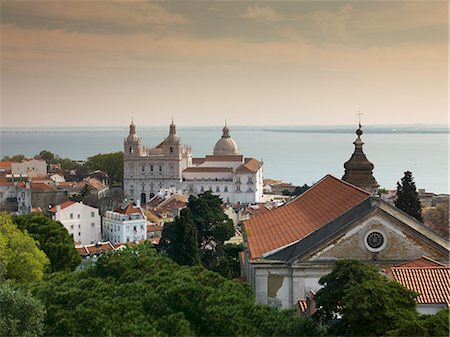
{"points": [[143, 198]]}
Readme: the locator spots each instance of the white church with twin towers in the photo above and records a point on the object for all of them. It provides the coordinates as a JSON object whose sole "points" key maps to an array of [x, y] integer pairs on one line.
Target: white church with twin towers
{"points": [[226, 173]]}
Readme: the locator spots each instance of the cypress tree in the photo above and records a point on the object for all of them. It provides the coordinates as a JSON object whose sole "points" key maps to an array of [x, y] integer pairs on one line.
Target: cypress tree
{"points": [[183, 248], [408, 198]]}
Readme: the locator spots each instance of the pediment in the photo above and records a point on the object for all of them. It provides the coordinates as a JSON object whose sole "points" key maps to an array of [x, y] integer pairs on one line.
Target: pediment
{"points": [[379, 236]]}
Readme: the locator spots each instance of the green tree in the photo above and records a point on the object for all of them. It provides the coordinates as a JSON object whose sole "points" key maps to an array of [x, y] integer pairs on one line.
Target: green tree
{"points": [[137, 292], [345, 274], [424, 326], [213, 229], [17, 158], [408, 198], [48, 156], [300, 189], [20, 258], [362, 302], [183, 245], [20, 313], [111, 163], [373, 307], [54, 240]]}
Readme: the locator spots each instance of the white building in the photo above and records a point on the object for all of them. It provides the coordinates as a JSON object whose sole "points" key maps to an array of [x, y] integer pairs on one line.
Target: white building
{"points": [[125, 224], [80, 220], [36, 167], [226, 173]]}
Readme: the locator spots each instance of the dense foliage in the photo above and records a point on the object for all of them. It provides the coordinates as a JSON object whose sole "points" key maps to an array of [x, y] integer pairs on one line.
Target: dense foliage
{"points": [[213, 228], [408, 198], [358, 301], [54, 240], [111, 163], [136, 292], [20, 313], [424, 326], [183, 247], [20, 258]]}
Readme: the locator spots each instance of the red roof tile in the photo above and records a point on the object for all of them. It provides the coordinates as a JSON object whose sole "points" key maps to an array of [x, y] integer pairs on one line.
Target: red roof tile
{"points": [[322, 203], [421, 262], [95, 248], [63, 205], [302, 306], [225, 158], [198, 161], [207, 169], [251, 165], [6, 165], [129, 209], [41, 187], [432, 283]]}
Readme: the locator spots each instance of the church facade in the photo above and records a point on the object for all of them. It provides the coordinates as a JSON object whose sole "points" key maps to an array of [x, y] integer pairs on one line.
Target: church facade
{"points": [[225, 173], [289, 248]]}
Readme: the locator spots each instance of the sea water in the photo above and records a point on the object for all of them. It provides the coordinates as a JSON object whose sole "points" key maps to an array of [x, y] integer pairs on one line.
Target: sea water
{"points": [[296, 155]]}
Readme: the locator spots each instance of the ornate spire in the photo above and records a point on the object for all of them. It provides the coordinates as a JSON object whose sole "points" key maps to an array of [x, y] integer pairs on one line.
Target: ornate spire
{"points": [[173, 133], [226, 131], [358, 169]]}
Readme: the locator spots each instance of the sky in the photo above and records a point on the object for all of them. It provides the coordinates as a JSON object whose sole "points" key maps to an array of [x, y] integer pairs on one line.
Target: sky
{"points": [[99, 63]]}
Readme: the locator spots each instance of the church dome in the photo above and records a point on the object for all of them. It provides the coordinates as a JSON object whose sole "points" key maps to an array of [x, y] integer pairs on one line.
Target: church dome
{"points": [[226, 145]]}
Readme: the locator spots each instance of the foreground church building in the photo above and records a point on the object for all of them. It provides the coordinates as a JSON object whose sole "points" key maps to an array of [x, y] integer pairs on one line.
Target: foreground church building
{"points": [[225, 173], [288, 249]]}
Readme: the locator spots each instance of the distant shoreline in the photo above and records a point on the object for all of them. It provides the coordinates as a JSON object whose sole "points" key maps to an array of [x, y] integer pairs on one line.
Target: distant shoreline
{"points": [[332, 129]]}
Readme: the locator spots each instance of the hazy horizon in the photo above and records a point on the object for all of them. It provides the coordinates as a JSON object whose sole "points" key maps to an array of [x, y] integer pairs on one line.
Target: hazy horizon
{"points": [[99, 63]]}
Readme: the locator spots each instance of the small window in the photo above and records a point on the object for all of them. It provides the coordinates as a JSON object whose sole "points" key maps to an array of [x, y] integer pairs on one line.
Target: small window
{"points": [[151, 168], [78, 216], [92, 224], [79, 226], [160, 168], [217, 189], [92, 214], [79, 234], [71, 215], [71, 227], [225, 189]]}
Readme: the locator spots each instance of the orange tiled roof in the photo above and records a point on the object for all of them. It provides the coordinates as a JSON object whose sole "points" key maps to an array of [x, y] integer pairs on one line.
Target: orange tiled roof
{"points": [[302, 306], [95, 248], [63, 205], [6, 165], [36, 210], [129, 209], [151, 228], [322, 203], [207, 169], [421, 262], [432, 283], [251, 165], [198, 161], [237, 157], [41, 187]]}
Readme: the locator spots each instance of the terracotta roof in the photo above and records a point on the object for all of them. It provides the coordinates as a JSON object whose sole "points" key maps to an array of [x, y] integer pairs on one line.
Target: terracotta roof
{"points": [[207, 169], [155, 241], [95, 248], [6, 165], [63, 205], [422, 262], [225, 158], [129, 209], [36, 210], [251, 165], [432, 283], [302, 306], [41, 179], [322, 203], [198, 161], [96, 184], [152, 228], [41, 187]]}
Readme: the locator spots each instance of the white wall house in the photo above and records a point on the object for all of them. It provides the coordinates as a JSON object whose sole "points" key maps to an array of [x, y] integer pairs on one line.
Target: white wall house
{"points": [[80, 220], [37, 166], [125, 224]]}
